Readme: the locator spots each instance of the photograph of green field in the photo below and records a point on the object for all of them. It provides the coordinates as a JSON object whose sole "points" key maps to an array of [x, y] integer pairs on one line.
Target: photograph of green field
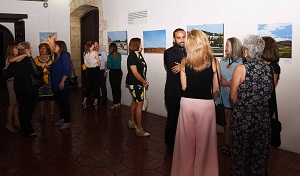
{"points": [[282, 33]]}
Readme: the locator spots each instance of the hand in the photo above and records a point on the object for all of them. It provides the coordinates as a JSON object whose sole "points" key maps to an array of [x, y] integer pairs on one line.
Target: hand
{"points": [[146, 85], [61, 85], [176, 69], [224, 82], [44, 64], [105, 74]]}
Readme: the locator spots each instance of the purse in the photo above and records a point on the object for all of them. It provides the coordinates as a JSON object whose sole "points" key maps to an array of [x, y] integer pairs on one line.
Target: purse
{"points": [[220, 109], [275, 124], [36, 76], [83, 66], [146, 102], [71, 82]]}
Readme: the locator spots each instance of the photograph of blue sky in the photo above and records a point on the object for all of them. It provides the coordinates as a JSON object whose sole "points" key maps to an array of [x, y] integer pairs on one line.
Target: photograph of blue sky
{"points": [[279, 31], [154, 39], [44, 35], [213, 28], [117, 35]]}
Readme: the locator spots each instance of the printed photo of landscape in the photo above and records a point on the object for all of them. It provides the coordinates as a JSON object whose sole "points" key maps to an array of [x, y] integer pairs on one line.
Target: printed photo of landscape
{"points": [[282, 33], [154, 41], [120, 38], [215, 34]]}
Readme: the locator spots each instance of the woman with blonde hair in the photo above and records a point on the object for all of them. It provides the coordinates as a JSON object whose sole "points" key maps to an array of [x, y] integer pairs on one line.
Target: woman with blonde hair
{"points": [[25, 71], [13, 108], [195, 151]]}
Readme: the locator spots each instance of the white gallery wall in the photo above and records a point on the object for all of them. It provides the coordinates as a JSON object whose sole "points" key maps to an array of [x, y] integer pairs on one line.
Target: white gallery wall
{"points": [[239, 18], [54, 18]]}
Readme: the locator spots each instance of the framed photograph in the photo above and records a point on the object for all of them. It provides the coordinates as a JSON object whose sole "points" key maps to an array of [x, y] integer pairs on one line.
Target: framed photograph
{"points": [[48, 37], [154, 41], [215, 34], [282, 33], [120, 38]]}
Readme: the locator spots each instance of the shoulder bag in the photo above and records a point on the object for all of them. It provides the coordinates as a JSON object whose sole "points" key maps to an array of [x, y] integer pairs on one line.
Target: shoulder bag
{"points": [[275, 123], [220, 109]]}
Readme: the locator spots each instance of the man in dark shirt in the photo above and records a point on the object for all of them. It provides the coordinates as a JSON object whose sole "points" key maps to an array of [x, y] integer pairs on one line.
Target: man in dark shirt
{"points": [[173, 91]]}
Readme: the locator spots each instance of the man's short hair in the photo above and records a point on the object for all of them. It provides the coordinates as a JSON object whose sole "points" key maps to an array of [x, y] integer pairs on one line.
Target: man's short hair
{"points": [[176, 30]]}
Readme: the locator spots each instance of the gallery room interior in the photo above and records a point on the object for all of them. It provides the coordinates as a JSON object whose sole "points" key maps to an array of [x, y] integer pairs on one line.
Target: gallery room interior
{"points": [[99, 141]]}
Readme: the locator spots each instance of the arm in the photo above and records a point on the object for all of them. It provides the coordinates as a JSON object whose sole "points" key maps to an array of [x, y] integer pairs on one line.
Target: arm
{"points": [[216, 70], [17, 58], [137, 75], [183, 75], [238, 77], [170, 63], [276, 79], [67, 67]]}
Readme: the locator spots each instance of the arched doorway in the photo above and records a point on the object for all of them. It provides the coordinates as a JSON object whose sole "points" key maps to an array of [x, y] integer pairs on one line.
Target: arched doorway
{"points": [[89, 32]]}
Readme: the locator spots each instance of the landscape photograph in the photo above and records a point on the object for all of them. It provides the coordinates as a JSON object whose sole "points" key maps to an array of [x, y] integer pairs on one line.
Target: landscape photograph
{"points": [[120, 38], [215, 34], [282, 33], [154, 41]]}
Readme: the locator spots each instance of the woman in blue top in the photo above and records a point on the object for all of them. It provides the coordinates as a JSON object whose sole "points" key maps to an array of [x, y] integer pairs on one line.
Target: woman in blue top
{"points": [[60, 71], [233, 58], [115, 74]]}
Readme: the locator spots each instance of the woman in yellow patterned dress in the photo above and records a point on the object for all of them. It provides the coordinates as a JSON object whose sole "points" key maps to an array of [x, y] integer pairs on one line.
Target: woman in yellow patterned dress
{"points": [[45, 91]]}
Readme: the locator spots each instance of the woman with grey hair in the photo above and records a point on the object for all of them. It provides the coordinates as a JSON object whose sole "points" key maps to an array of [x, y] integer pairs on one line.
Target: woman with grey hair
{"points": [[251, 88], [233, 58]]}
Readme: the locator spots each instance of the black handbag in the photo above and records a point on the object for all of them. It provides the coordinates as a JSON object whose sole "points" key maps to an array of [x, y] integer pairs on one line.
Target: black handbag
{"points": [[36, 75], [275, 124], [72, 81], [220, 109]]}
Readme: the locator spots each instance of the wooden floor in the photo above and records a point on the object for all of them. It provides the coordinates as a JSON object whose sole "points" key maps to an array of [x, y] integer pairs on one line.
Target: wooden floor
{"points": [[100, 143]]}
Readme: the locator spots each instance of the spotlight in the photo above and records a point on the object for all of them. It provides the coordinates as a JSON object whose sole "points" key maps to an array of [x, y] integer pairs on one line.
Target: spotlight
{"points": [[45, 4]]}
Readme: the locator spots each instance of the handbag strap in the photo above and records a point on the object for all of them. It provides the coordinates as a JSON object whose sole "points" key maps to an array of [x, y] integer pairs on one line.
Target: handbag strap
{"points": [[218, 81]]}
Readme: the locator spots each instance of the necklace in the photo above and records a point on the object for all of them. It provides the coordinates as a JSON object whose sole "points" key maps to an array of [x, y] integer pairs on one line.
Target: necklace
{"points": [[229, 63]]}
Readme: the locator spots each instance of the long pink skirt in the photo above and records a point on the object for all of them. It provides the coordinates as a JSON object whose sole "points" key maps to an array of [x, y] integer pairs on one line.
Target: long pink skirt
{"points": [[195, 150]]}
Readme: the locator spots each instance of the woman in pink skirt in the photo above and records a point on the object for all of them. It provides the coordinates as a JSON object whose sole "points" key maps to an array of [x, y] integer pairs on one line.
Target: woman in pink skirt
{"points": [[195, 152]]}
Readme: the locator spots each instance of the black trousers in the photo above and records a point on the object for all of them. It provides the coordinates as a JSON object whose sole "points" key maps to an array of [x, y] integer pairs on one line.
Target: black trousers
{"points": [[61, 97], [103, 85], [173, 106], [115, 79], [93, 82], [27, 102]]}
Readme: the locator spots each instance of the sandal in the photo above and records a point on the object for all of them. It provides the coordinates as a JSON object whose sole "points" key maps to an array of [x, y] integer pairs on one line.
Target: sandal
{"points": [[51, 118], [225, 149], [41, 119]]}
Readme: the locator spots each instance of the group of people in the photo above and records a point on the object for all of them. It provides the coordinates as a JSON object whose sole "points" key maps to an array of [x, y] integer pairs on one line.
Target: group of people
{"points": [[248, 75], [98, 64], [39, 79]]}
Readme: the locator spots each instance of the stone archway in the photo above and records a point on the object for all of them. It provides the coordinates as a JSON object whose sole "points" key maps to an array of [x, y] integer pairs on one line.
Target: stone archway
{"points": [[77, 9]]}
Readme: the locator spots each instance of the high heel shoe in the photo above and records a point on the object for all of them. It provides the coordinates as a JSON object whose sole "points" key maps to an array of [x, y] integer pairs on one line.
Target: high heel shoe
{"points": [[95, 106], [114, 106], [84, 106], [51, 118], [41, 119]]}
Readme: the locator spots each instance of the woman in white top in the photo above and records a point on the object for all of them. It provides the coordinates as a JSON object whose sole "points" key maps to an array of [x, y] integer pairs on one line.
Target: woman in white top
{"points": [[92, 62]]}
